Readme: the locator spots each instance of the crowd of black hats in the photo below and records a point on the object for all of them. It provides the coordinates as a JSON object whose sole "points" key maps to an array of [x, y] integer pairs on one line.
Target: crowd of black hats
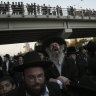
{"points": [[32, 59]]}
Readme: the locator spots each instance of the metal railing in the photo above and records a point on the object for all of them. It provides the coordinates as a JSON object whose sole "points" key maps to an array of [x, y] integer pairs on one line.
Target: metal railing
{"points": [[33, 9]]}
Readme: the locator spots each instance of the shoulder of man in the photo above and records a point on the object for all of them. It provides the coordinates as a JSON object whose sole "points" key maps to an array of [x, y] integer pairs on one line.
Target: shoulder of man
{"points": [[19, 91], [68, 61], [88, 82], [54, 89]]}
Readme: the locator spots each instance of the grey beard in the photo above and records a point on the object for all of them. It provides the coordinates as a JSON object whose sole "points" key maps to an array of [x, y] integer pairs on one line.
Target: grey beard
{"points": [[56, 58]]}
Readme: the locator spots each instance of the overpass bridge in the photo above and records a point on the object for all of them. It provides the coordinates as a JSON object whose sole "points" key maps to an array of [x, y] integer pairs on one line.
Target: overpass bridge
{"points": [[27, 28]]}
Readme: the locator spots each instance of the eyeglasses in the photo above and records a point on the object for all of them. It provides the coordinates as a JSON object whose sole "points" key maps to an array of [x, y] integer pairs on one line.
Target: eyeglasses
{"points": [[33, 77]]}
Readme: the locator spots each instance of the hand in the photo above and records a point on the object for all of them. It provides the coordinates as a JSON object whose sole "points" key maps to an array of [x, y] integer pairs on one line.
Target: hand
{"points": [[64, 80], [53, 80]]}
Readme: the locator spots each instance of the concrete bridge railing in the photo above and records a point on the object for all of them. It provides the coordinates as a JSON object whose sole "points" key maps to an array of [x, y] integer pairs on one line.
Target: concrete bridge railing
{"points": [[9, 10]]}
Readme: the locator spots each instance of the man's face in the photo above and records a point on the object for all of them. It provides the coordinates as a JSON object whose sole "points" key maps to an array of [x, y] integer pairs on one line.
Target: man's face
{"points": [[5, 59], [73, 56], [34, 80], [41, 55], [54, 48], [84, 51], [5, 87], [21, 58]]}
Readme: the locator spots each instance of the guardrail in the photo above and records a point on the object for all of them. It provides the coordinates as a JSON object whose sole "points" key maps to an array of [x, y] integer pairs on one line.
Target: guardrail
{"points": [[33, 9]]}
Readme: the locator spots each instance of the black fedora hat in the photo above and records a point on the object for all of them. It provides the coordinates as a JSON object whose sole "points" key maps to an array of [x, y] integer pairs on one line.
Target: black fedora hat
{"points": [[7, 56], [48, 41], [39, 48], [5, 77], [71, 50], [91, 48], [32, 59]]}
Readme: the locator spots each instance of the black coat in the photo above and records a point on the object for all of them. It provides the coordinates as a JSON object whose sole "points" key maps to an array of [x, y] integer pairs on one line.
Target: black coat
{"points": [[4, 67], [82, 61], [69, 70], [53, 88], [86, 87]]}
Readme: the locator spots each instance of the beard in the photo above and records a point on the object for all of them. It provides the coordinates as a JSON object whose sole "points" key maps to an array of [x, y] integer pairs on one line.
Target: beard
{"points": [[35, 92], [56, 58]]}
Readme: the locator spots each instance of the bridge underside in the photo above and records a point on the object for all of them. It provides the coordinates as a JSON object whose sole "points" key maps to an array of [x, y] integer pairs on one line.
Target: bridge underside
{"points": [[82, 33], [20, 36]]}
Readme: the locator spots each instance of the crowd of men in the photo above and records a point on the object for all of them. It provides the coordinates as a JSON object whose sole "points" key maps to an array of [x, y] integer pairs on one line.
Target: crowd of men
{"points": [[4, 7], [80, 12], [52, 69], [18, 8]]}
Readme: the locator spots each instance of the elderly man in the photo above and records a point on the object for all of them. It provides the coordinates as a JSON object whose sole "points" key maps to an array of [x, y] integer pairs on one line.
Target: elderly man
{"points": [[34, 78], [63, 71]]}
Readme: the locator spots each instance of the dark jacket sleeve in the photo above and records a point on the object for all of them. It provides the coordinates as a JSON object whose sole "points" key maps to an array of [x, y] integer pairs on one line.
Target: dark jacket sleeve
{"points": [[19, 91], [54, 89]]}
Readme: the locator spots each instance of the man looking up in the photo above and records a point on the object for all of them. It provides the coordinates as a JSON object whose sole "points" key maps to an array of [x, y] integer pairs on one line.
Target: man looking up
{"points": [[63, 70]]}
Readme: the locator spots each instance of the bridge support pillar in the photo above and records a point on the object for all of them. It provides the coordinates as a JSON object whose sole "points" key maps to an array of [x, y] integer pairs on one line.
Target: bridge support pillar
{"points": [[66, 33]]}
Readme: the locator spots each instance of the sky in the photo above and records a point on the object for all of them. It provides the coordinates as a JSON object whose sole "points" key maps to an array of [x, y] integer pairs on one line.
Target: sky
{"points": [[13, 49]]}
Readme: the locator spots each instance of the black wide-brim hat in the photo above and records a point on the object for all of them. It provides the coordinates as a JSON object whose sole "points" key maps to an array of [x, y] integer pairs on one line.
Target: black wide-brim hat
{"points": [[91, 46], [48, 41], [6, 78], [32, 59], [7, 56], [71, 50], [38, 48]]}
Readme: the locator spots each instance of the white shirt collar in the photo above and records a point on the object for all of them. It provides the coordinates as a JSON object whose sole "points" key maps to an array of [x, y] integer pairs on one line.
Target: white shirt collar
{"points": [[46, 92]]}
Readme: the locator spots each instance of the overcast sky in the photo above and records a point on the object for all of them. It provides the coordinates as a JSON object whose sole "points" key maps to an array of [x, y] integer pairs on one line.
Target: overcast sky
{"points": [[14, 49]]}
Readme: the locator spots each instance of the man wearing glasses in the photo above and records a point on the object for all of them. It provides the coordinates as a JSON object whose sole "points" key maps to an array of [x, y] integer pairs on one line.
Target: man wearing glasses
{"points": [[34, 78]]}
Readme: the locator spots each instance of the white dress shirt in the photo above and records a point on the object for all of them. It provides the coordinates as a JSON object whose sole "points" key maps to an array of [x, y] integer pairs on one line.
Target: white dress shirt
{"points": [[7, 65]]}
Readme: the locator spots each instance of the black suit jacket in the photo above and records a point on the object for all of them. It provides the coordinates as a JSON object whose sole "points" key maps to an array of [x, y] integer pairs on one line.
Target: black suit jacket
{"points": [[68, 70], [86, 86], [4, 67], [53, 88]]}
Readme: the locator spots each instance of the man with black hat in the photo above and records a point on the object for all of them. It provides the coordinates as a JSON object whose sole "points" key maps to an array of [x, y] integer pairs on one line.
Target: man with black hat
{"points": [[7, 65], [88, 81], [82, 60], [34, 78], [87, 84], [71, 53], [63, 70], [38, 48]]}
